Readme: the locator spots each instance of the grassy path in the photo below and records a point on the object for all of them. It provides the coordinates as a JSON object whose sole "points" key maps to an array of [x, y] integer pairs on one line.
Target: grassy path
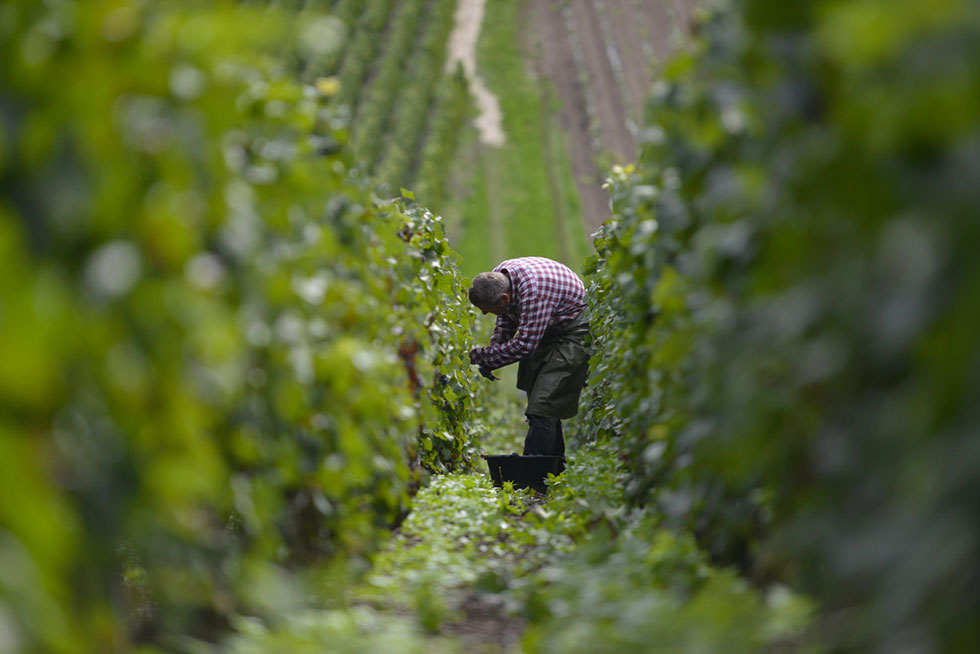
{"points": [[495, 218]]}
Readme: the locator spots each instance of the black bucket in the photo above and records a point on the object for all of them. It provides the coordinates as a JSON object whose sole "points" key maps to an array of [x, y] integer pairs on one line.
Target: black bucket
{"points": [[527, 471]]}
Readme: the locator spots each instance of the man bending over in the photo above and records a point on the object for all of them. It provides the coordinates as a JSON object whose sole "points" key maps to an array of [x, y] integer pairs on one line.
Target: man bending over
{"points": [[540, 306]]}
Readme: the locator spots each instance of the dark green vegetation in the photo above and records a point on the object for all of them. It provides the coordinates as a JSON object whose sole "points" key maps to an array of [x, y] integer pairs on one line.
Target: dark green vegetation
{"points": [[221, 354], [787, 311], [406, 113], [229, 368]]}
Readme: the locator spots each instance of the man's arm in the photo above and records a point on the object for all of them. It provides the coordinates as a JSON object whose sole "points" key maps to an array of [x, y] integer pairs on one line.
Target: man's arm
{"points": [[536, 312], [503, 330]]}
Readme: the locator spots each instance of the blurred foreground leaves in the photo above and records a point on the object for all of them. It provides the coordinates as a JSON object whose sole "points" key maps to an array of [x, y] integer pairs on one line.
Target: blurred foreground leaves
{"points": [[785, 310], [220, 353]]}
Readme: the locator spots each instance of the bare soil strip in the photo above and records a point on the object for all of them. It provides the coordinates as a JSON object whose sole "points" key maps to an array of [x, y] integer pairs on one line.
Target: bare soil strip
{"points": [[605, 93], [485, 623], [604, 64], [684, 15], [462, 49], [637, 62], [554, 62], [545, 65], [658, 23]]}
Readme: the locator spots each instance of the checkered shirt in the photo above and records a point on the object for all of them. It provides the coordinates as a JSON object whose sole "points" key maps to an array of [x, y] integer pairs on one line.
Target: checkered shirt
{"points": [[544, 294]]}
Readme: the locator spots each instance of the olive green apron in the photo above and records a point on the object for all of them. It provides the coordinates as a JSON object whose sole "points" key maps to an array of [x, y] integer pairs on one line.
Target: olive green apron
{"points": [[554, 374]]}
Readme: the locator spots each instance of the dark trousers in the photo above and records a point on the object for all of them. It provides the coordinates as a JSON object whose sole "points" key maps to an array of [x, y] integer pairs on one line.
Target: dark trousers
{"points": [[544, 436]]}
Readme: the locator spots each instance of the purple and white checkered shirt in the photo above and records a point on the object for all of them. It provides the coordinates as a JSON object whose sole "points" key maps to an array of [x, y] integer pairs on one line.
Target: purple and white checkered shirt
{"points": [[544, 293]]}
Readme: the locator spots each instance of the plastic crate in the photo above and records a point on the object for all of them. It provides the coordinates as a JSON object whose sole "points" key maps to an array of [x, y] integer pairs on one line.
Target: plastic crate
{"points": [[525, 471]]}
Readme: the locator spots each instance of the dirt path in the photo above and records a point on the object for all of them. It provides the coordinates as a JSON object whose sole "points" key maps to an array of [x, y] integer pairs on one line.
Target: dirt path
{"points": [[489, 121], [601, 56], [596, 65], [462, 50], [484, 623]]}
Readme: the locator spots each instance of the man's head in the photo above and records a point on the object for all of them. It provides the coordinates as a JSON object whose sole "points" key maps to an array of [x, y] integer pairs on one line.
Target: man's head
{"points": [[491, 292]]}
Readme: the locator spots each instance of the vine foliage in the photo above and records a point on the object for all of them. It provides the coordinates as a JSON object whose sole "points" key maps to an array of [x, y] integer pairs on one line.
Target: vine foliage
{"points": [[785, 315], [221, 354]]}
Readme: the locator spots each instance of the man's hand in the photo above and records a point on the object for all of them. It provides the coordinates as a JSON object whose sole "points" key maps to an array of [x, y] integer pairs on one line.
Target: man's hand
{"points": [[486, 372], [475, 360]]}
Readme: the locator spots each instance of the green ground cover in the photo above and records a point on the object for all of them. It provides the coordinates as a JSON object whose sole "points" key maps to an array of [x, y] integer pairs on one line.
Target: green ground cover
{"points": [[574, 571]]}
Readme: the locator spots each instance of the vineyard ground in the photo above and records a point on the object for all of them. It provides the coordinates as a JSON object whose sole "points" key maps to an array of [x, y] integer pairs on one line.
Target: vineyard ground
{"points": [[464, 565]]}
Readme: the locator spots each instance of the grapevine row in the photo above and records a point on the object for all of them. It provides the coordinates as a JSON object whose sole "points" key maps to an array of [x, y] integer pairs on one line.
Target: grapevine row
{"points": [[414, 101], [362, 49], [368, 129], [221, 357], [798, 238], [449, 112]]}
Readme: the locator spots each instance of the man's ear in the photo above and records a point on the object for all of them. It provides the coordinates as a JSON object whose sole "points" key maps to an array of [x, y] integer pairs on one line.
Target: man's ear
{"points": [[505, 299]]}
